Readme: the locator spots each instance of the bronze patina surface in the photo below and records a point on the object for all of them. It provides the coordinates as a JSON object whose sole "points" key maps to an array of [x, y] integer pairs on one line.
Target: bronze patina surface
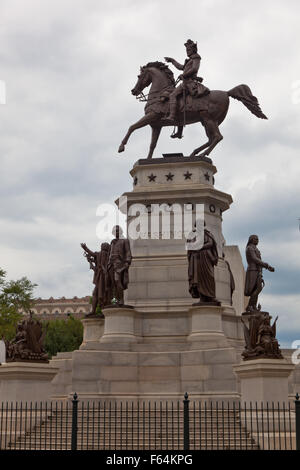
{"points": [[170, 105], [110, 266], [28, 344]]}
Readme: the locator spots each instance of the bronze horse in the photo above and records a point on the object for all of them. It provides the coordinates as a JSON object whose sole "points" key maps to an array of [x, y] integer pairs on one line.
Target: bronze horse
{"points": [[210, 110]]}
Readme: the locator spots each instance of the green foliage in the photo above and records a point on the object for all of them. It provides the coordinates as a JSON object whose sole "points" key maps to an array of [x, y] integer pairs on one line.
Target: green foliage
{"points": [[63, 335], [8, 322], [98, 310], [2, 277], [14, 296]]}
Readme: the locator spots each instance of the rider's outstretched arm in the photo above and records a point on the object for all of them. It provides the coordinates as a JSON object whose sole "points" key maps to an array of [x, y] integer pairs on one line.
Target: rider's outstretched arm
{"points": [[178, 65]]}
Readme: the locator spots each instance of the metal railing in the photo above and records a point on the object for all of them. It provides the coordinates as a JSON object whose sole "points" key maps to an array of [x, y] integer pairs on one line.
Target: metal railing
{"points": [[152, 425]]}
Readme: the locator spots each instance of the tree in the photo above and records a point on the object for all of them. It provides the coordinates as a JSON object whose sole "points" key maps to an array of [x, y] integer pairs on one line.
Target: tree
{"points": [[14, 297], [63, 335]]}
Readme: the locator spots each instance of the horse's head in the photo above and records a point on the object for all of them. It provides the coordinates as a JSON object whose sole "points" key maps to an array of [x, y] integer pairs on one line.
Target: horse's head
{"points": [[156, 73], [144, 80]]}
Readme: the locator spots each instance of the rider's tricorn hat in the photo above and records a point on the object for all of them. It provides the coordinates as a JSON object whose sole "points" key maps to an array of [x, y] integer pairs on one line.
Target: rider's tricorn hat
{"points": [[189, 42]]}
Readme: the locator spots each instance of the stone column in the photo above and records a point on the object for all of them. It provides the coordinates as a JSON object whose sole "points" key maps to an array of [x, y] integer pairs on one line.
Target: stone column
{"points": [[121, 325], [26, 381], [264, 380], [93, 328]]}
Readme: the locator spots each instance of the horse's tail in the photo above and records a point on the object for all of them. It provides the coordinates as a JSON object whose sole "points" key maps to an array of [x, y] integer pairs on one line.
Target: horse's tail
{"points": [[244, 94]]}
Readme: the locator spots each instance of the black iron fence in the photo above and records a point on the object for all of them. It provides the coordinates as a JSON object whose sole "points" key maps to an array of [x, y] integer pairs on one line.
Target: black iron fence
{"points": [[175, 425]]}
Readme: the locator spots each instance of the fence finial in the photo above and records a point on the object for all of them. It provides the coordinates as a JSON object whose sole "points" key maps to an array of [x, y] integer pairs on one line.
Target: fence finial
{"points": [[297, 396], [74, 422], [186, 422]]}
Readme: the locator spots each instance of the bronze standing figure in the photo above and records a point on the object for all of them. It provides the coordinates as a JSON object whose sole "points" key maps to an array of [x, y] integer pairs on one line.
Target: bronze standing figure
{"points": [[191, 102], [119, 261], [201, 269], [260, 335], [103, 278], [254, 283], [110, 266]]}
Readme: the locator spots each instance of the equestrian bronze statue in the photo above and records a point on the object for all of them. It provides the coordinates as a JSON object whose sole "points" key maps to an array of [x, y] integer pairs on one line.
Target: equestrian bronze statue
{"points": [[190, 102]]}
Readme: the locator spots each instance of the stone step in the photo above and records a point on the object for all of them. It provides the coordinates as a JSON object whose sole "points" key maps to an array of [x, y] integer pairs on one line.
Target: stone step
{"points": [[203, 439], [132, 429], [110, 414], [117, 432], [137, 439], [220, 447]]}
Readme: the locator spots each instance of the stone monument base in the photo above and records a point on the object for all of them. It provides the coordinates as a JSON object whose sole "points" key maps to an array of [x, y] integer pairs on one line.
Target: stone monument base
{"points": [[165, 346], [153, 356], [26, 381], [264, 380]]}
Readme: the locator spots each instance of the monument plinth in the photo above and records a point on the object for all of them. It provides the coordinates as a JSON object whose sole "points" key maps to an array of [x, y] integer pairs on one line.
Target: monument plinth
{"points": [[206, 325], [121, 325], [264, 380], [26, 381], [93, 328]]}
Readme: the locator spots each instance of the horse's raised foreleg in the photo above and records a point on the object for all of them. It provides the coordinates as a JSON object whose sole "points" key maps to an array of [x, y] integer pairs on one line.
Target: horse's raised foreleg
{"points": [[214, 137], [144, 121], [154, 139]]}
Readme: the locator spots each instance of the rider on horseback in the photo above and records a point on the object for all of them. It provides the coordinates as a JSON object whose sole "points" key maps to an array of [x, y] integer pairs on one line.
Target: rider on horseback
{"points": [[189, 78], [209, 110]]}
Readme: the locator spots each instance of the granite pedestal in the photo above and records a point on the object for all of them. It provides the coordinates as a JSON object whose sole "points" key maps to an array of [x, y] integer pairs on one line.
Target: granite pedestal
{"points": [[26, 381], [264, 380]]}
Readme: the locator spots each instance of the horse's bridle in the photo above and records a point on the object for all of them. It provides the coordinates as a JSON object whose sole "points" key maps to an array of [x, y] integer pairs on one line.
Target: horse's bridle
{"points": [[144, 98]]}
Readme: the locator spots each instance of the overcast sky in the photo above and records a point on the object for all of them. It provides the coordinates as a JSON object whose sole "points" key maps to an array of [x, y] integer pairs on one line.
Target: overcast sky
{"points": [[69, 66]]}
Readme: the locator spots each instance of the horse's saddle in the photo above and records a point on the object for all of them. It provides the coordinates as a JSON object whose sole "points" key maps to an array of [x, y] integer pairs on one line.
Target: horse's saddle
{"points": [[196, 98], [196, 89], [196, 95]]}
